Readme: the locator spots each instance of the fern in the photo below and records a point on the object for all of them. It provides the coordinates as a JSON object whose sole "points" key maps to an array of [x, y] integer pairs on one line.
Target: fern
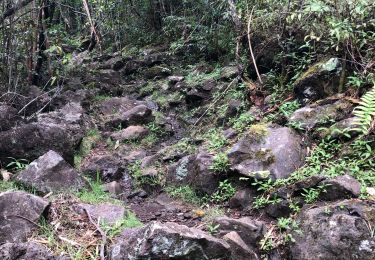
{"points": [[365, 112]]}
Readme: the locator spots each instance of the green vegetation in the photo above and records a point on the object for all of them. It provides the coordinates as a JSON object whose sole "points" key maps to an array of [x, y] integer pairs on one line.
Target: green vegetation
{"points": [[185, 193], [91, 138], [220, 163], [7, 186], [216, 139], [17, 165], [224, 192], [130, 221], [365, 112], [95, 194]]}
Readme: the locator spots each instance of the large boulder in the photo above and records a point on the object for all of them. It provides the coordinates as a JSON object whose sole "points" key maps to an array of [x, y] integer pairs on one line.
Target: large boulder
{"points": [[169, 241], [261, 152], [320, 114], [340, 230], [319, 81], [27, 251], [51, 172], [61, 131], [18, 213]]}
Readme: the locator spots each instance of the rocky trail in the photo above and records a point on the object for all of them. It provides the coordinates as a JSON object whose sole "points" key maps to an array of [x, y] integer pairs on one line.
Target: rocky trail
{"points": [[154, 157]]}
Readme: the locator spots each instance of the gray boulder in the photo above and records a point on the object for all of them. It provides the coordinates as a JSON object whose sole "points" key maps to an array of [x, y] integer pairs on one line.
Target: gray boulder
{"points": [[319, 114], [168, 241], [339, 230], [27, 251], [60, 131], [51, 172], [341, 187], [319, 81], [261, 152], [18, 211]]}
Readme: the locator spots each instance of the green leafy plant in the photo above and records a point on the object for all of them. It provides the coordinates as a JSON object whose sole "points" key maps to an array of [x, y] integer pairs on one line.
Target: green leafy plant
{"points": [[311, 195], [213, 229], [185, 193], [225, 192], [220, 163], [265, 200], [17, 164], [216, 139], [130, 221], [365, 112]]}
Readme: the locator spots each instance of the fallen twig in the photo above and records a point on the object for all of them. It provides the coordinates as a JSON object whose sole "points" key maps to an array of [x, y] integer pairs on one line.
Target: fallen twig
{"points": [[102, 233]]}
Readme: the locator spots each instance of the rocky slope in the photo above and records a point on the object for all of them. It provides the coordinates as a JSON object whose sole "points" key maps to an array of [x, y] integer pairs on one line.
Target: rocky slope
{"points": [[148, 157]]}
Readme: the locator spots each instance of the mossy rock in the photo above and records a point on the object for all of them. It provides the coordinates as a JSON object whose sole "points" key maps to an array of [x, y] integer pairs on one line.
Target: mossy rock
{"points": [[319, 81]]}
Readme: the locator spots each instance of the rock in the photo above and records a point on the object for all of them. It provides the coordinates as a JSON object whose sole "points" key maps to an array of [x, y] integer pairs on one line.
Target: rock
{"points": [[115, 63], [172, 80], [279, 209], [229, 72], [136, 115], [234, 106], [123, 112], [178, 173], [108, 167], [113, 187], [261, 152], [335, 231], [8, 117], [61, 131], [251, 231], [202, 178], [242, 199], [316, 115], [108, 213], [131, 67], [107, 77], [51, 173], [157, 72], [195, 97], [341, 187], [168, 241], [297, 188], [154, 58], [319, 81], [17, 212], [5, 175], [27, 251], [130, 133], [230, 133], [240, 251]]}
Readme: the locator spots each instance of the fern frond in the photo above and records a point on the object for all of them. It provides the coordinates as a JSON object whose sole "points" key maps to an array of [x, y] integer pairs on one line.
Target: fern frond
{"points": [[365, 112]]}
